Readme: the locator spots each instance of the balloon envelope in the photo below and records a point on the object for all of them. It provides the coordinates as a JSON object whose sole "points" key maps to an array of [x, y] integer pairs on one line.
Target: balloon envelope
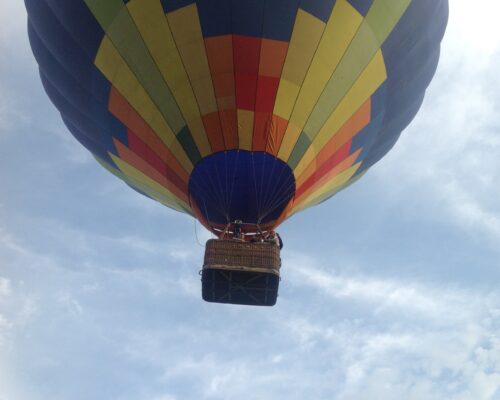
{"points": [[237, 109]]}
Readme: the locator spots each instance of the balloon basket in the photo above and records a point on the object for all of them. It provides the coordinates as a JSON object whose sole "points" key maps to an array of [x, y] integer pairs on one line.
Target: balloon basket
{"points": [[237, 272]]}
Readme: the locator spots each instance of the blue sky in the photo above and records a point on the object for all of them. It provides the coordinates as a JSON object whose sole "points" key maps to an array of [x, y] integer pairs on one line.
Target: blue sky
{"points": [[389, 290]]}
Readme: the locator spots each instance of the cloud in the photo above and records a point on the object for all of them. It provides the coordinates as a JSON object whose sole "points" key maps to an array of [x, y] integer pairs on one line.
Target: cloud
{"points": [[446, 163], [74, 291], [334, 333], [5, 288], [415, 340]]}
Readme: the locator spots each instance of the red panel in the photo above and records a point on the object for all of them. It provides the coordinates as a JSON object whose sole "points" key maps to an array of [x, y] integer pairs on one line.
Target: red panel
{"points": [[358, 121], [267, 89], [327, 166], [122, 110], [140, 164], [229, 122], [246, 89], [137, 146], [214, 132], [246, 52], [261, 128], [339, 168]]}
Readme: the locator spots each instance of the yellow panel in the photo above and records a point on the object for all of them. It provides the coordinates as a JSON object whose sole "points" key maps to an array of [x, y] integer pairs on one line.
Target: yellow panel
{"points": [[147, 190], [306, 35], [150, 186], [306, 159], [186, 29], [245, 129], [289, 140], [287, 94], [330, 188], [226, 103], [113, 66], [369, 81], [151, 22], [339, 31]]}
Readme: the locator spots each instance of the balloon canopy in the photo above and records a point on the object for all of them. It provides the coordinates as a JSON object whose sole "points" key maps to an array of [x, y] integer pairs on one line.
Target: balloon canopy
{"points": [[230, 110]]}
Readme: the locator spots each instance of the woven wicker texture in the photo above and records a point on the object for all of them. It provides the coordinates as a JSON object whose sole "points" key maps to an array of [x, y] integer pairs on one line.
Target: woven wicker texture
{"points": [[234, 254]]}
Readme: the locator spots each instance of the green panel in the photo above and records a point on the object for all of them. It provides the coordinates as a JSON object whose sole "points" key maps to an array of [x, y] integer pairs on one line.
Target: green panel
{"points": [[186, 140], [104, 11], [378, 24], [129, 42], [299, 150], [109, 168], [384, 15]]}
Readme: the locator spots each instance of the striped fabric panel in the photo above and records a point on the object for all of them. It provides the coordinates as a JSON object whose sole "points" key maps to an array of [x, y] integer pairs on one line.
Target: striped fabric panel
{"points": [[154, 87]]}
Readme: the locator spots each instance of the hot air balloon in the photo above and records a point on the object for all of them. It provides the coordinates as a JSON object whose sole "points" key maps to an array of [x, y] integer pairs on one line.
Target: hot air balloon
{"points": [[237, 110]]}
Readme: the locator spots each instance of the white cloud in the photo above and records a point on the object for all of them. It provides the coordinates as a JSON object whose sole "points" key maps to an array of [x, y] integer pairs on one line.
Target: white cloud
{"points": [[412, 340], [5, 289], [446, 163], [71, 296], [162, 397], [332, 335]]}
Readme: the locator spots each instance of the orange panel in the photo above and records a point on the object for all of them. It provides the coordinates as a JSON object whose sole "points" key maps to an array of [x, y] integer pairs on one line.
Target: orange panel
{"points": [[229, 122], [276, 134], [198, 214], [220, 58], [356, 123], [347, 163], [272, 57], [122, 110], [285, 213]]}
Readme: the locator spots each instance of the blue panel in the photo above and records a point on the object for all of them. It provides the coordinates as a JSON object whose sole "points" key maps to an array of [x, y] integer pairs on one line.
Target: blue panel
{"points": [[411, 54], [379, 101], [362, 6], [76, 92], [390, 134], [279, 19], [215, 21], [258, 18], [78, 21], [254, 187], [61, 45], [91, 129], [247, 17], [404, 90], [172, 5], [321, 9], [91, 145], [411, 50], [367, 137]]}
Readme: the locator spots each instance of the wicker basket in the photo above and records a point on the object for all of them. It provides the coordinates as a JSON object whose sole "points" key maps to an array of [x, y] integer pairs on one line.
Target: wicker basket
{"points": [[241, 272]]}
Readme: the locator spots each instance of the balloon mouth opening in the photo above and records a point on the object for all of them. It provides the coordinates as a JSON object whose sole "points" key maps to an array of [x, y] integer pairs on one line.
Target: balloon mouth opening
{"points": [[252, 187]]}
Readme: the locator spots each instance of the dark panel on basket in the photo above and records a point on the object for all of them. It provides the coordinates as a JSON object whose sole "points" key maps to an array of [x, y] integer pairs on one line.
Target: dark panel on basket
{"points": [[241, 273], [239, 287]]}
